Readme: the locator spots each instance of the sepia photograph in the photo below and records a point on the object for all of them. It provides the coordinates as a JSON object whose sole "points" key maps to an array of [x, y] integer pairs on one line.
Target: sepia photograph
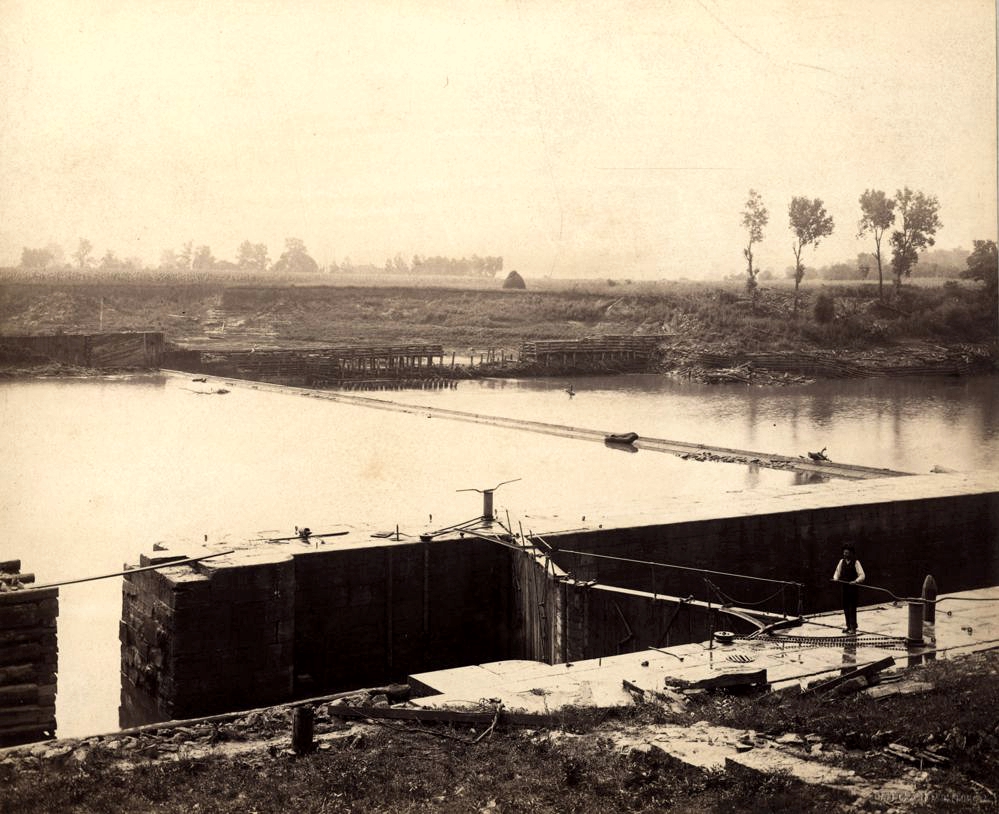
{"points": [[510, 406]]}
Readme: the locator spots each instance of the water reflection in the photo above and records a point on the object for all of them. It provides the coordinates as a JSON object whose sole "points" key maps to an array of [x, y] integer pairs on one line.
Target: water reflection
{"points": [[907, 423], [849, 661]]}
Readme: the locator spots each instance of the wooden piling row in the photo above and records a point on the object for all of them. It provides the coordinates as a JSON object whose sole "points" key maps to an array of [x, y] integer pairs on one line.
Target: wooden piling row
{"points": [[28, 659], [435, 383], [403, 365], [589, 351]]}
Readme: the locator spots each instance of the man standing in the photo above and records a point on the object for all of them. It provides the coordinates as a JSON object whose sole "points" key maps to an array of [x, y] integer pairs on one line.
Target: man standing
{"points": [[850, 573]]}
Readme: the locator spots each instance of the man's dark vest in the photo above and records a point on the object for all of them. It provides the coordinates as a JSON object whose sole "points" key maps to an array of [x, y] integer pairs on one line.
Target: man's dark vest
{"points": [[848, 573]]}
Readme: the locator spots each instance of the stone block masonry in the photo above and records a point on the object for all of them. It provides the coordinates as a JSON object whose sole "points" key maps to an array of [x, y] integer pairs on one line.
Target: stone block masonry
{"points": [[262, 626], [372, 614], [28, 664], [198, 641]]}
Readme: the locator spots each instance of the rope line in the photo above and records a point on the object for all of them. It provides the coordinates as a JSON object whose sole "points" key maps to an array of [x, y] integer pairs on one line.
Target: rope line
{"points": [[732, 601], [919, 598], [679, 567]]}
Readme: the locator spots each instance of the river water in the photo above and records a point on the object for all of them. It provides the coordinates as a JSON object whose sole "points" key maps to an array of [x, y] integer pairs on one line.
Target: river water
{"points": [[96, 471]]}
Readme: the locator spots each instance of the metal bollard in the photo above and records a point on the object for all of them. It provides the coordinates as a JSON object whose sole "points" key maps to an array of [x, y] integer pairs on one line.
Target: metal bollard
{"points": [[301, 730], [915, 622], [930, 595]]}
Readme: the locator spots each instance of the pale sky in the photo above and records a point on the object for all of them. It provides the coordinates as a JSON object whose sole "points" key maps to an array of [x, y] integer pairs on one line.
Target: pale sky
{"points": [[613, 139]]}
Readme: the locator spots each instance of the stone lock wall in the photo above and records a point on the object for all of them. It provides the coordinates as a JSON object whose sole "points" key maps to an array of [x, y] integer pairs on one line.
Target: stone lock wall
{"points": [[214, 636], [954, 538], [374, 614], [266, 626], [200, 640]]}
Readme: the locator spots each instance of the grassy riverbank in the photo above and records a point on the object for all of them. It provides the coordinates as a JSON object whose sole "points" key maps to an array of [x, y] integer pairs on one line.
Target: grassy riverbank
{"points": [[465, 314], [574, 765]]}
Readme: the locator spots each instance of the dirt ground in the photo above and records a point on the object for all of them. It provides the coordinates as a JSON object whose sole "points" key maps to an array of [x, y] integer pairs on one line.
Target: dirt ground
{"points": [[584, 760]]}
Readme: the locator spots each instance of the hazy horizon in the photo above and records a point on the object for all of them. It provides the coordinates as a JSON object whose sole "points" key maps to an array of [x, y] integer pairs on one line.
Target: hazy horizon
{"points": [[573, 140]]}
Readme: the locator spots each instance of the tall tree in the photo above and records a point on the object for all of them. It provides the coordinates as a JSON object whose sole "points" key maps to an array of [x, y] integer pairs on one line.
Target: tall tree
{"points": [[110, 261], [983, 265], [36, 258], [168, 260], [877, 213], [252, 256], [295, 258], [203, 259], [58, 255], [82, 253], [809, 222], [754, 218], [918, 213], [186, 256]]}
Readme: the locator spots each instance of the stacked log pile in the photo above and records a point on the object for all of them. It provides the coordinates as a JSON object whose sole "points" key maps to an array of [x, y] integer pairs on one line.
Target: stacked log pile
{"points": [[925, 362], [28, 657]]}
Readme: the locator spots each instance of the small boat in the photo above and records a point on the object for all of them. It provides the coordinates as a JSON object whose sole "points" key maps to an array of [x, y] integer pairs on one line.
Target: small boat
{"points": [[628, 438]]}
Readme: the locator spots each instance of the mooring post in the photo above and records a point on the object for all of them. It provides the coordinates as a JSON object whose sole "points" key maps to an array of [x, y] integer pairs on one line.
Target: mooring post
{"points": [[930, 599], [302, 730], [915, 622]]}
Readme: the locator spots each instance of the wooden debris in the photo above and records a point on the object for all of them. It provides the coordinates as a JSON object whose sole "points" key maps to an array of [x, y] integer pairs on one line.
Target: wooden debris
{"points": [[731, 680], [900, 688], [861, 672], [916, 757], [445, 716]]}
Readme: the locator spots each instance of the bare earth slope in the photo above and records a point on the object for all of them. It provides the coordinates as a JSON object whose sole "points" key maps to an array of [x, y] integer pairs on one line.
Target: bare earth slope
{"points": [[920, 324]]}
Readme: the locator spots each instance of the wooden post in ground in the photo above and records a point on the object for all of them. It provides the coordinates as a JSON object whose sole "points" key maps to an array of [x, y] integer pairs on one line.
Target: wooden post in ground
{"points": [[302, 730]]}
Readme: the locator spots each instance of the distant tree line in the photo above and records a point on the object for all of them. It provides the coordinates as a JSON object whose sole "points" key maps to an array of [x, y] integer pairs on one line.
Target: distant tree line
{"points": [[939, 263], [254, 258], [473, 266]]}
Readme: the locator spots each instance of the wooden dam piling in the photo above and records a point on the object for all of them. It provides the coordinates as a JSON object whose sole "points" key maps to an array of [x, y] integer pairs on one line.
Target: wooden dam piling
{"points": [[28, 658], [350, 367]]}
